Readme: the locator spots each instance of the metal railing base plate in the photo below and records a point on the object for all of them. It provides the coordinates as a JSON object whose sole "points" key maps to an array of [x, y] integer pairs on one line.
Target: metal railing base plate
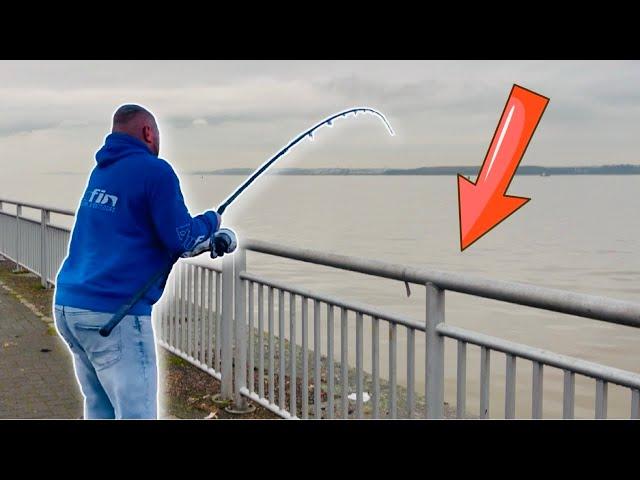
{"points": [[250, 409], [219, 401], [228, 406]]}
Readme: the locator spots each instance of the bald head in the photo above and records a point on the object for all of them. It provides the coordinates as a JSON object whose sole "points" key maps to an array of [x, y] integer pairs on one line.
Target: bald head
{"points": [[138, 122]]}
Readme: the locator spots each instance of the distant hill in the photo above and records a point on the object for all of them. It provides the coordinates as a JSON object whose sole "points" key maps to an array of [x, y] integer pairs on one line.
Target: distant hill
{"points": [[463, 170]]}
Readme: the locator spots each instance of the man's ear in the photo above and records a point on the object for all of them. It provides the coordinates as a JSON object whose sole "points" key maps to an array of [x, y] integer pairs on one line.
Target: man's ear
{"points": [[147, 134]]}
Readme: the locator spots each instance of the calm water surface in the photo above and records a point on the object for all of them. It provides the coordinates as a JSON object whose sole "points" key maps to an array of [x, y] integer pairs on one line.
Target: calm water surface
{"points": [[578, 233]]}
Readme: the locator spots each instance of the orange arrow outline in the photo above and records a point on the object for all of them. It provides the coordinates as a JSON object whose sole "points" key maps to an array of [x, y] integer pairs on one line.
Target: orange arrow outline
{"points": [[496, 193]]}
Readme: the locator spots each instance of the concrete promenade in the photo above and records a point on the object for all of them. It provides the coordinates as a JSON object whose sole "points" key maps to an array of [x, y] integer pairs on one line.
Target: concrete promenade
{"points": [[36, 372]]}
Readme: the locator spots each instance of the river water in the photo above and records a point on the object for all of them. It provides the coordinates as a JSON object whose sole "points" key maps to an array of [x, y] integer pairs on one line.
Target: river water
{"points": [[579, 233]]}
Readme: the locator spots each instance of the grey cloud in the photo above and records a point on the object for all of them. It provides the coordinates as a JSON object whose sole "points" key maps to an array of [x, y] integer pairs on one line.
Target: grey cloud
{"points": [[22, 127], [31, 125], [442, 110], [355, 87], [243, 119], [431, 97]]}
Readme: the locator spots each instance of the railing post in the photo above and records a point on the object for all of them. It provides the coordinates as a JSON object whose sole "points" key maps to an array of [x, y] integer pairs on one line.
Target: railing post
{"points": [[18, 214], [435, 352], [635, 404], [226, 368], [1, 242], [240, 265], [44, 260]]}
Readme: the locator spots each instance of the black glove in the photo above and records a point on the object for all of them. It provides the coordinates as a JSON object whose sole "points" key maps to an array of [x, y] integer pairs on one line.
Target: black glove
{"points": [[224, 241]]}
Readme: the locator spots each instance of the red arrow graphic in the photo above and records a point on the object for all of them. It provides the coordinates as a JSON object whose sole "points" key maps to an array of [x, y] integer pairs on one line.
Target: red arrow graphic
{"points": [[483, 204]]}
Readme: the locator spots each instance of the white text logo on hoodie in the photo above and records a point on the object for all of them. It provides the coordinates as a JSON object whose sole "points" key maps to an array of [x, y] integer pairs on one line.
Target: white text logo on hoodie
{"points": [[101, 200]]}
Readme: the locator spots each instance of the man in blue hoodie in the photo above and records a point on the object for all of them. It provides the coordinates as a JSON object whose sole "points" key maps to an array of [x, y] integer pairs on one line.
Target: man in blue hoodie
{"points": [[131, 221]]}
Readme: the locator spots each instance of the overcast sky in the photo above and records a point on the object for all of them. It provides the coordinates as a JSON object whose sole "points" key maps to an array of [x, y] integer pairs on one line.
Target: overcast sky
{"points": [[220, 114]]}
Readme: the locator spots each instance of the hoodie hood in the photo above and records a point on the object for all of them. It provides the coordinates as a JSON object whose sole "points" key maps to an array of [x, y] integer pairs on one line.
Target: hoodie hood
{"points": [[117, 146]]}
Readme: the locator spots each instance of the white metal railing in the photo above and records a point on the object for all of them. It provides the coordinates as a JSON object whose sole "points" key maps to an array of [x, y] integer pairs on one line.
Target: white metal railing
{"points": [[189, 316], [435, 331], [233, 324], [37, 246]]}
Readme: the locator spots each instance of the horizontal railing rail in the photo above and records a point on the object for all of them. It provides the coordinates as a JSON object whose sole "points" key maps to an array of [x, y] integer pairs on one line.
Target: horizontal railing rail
{"points": [[335, 301], [589, 369], [35, 206], [588, 306], [302, 353]]}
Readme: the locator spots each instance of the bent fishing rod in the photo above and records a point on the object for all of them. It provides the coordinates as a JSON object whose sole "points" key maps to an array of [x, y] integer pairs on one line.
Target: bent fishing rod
{"points": [[166, 270]]}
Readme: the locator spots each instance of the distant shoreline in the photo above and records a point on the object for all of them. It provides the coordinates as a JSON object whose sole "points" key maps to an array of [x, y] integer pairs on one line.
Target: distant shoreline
{"points": [[462, 170], [466, 170]]}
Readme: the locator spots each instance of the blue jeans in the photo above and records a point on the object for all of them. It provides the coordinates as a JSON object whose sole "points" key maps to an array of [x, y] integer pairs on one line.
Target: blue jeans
{"points": [[117, 374]]}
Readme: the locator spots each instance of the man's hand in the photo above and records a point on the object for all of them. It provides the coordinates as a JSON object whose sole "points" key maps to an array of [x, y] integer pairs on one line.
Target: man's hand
{"points": [[224, 241], [221, 242]]}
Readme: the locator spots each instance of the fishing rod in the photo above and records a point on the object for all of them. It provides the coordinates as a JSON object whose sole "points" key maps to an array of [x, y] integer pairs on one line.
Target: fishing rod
{"points": [[307, 134], [165, 271]]}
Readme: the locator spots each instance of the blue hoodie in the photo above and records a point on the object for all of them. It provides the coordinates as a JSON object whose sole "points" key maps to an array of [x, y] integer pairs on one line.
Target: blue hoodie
{"points": [[131, 222]]}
